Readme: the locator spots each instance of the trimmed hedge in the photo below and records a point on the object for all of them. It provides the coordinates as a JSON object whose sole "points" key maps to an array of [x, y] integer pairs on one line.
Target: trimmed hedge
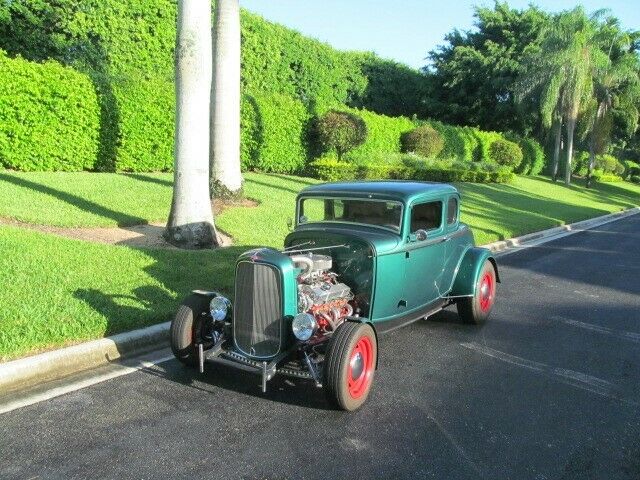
{"points": [[49, 117], [331, 169], [127, 50], [280, 141], [383, 132], [606, 177], [532, 155]]}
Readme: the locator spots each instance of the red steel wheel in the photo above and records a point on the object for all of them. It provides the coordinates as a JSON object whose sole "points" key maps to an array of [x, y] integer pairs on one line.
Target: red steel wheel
{"points": [[349, 365], [476, 309], [487, 291], [361, 367]]}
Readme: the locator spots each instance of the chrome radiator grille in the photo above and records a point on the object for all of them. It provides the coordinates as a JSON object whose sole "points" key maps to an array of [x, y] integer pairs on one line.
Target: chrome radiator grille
{"points": [[257, 322]]}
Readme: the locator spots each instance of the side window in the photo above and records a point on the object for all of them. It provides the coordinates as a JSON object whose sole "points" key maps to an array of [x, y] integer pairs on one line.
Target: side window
{"points": [[426, 216], [452, 211]]}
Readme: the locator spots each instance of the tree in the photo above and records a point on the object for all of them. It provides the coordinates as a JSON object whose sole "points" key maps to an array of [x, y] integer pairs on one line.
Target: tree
{"points": [[190, 222], [563, 69], [472, 77], [617, 89], [226, 178]]}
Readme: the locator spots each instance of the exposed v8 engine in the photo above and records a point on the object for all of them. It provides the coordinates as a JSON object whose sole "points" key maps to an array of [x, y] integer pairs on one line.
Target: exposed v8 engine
{"points": [[320, 293]]}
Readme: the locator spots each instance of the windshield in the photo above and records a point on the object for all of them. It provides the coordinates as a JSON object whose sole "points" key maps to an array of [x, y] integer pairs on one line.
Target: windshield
{"points": [[380, 213]]}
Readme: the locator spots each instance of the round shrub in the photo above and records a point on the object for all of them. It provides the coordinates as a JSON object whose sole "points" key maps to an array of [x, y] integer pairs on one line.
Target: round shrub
{"points": [[340, 132], [504, 152], [635, 178], [424, 140], [607, 163]]}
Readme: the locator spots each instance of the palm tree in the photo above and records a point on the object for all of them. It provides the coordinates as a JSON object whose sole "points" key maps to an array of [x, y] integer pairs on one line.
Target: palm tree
{"points": [[617, 88], [190, 222], [226, 178], [561, 70]]}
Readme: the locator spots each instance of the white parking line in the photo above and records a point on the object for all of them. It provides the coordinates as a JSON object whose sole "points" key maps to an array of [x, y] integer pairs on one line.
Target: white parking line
{"points": [[47, 392], [631, 336], [569, 377]]}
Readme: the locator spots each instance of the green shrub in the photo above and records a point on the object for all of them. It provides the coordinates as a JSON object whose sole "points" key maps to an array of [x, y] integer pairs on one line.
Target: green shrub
{"points": [[532, 155], [280, 142], [580, 164], [459, 142], [383, 133], [423, 140], [606, 163], [486, 140], [601, 176], [146, 127], [506, 153], [635, 178], [49, 117], [332, 169], [631, 168], [340, 132]]}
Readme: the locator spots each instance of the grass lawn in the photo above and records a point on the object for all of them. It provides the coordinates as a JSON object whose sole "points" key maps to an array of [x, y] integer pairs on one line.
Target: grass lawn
{"points": [[57, 291]]}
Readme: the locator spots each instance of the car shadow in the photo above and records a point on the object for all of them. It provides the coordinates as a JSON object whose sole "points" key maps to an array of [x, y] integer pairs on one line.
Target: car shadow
{"points": [[281, 389]]}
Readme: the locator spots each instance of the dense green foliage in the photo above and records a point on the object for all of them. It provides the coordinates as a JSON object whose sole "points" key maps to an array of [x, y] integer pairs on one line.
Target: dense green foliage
{"points": [[423, 140], [504, 152], [383, 132], [472, 77], [340, 132], [127, 50], [49, 117], [289, 81], [279, 141], [532, 155]]}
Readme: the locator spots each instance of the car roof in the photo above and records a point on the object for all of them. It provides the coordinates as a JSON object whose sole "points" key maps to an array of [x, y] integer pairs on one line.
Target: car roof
{"points": [[402, 190]]}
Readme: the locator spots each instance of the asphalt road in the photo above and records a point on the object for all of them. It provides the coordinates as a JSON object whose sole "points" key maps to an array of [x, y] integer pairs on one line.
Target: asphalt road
{"points": [[549, 388]]}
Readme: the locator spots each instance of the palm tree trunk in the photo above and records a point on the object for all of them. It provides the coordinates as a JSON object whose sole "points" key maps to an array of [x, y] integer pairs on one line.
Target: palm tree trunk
{"points": [[190, 222], [226, 178], [571, 126], [595, 131], [556, 149]]}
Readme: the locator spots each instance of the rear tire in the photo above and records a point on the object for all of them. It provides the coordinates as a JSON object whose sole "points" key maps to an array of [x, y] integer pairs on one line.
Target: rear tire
{"points": [[350, 364], [182, 332], [475, 310]]}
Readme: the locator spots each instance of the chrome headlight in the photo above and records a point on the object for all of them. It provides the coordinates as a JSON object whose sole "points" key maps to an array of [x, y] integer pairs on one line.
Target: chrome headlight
{"points": [[304, 326], [219, 306]]}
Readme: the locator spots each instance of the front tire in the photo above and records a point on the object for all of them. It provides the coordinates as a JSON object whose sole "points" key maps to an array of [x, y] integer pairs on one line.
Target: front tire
{"points": [[475, 310], [183, 328], [350, 364]]}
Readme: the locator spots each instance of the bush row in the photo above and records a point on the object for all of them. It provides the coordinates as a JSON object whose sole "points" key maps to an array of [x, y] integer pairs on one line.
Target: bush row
{"points": [[49, 117], [331, 169]]}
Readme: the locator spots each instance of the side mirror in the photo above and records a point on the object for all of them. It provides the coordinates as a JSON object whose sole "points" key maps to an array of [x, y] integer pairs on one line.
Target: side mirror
{"points": [[418, 236], [290, 223]]}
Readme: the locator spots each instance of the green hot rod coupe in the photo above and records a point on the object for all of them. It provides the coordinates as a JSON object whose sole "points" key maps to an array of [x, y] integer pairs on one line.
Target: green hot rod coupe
{"points": [[364, 258]]}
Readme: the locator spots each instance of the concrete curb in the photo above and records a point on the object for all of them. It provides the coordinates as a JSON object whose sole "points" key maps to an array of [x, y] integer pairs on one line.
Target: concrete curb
{"points": [[524, 240], [57, 364]]}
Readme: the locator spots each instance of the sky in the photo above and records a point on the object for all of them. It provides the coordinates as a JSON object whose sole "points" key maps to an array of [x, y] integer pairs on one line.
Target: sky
{"points": [[403, 30]]}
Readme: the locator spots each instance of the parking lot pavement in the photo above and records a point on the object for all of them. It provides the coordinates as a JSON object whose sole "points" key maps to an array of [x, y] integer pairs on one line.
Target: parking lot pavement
{"points": [[549, 388]]}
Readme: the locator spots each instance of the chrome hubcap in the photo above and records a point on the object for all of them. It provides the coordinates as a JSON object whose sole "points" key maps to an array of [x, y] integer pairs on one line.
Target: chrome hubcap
{"points": [[357, 366]]}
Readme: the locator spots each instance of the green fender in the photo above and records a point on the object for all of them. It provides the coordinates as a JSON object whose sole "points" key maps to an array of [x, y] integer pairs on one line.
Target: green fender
{"points": [[468, 271]]}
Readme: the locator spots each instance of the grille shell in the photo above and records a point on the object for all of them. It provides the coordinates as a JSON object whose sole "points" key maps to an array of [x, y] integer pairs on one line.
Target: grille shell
{"points": [[258, 310]]}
